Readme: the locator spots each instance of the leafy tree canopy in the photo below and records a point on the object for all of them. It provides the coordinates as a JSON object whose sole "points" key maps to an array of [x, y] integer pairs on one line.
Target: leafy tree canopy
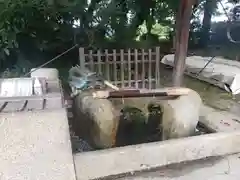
{"points": [[52, 25]]}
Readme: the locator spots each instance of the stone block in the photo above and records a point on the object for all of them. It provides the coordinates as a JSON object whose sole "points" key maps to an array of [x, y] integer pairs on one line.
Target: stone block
{"points": [[98, 120], [180, 116]]}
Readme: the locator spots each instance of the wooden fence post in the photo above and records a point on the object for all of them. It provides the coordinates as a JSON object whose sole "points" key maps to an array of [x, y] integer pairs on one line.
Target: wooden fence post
{"points": [[129, 69], [157, 70], [136, 68], [81, 57], [122, 68], [143, 71], [149, 68], [115, 74]]}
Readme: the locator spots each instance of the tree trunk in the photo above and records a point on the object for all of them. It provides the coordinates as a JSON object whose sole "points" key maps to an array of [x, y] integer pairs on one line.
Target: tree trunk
{"points": [[206, 23], [182, 34]]}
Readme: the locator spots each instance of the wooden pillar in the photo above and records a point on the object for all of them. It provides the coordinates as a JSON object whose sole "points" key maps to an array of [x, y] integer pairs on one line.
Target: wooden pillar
{"points": [[182, 34]]}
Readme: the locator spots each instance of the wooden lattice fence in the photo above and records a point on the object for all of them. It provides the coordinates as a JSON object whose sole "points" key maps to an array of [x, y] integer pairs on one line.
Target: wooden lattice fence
{"points": [[138, 68]]}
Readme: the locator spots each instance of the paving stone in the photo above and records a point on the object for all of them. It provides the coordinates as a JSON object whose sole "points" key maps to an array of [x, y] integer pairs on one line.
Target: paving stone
{"points": [[12, 106], [35, 104]]}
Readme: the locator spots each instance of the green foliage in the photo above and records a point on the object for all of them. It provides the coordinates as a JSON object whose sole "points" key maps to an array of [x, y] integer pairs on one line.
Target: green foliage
{"points": [[47, 26], [35, 20], [159, 30]]}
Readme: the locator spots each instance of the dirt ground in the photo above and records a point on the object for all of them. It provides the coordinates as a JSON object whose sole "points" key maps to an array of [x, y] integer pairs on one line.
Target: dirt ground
{"points": [[211, 95]]}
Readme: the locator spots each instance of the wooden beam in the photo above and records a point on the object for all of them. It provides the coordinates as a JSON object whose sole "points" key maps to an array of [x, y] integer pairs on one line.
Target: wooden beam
{"points": [[133, 93], [182, 34], [116, 161]]}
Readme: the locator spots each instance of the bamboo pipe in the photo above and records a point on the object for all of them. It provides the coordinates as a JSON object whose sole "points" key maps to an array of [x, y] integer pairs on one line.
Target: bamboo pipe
{"points": [[107, 83]]}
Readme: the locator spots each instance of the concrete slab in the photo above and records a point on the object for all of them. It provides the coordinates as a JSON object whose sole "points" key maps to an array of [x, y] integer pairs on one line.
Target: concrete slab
{"points": [[223, 168], [149, 156], [218, 71], [219, 121], [128, 159], [35, 146], [52, 99]]}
